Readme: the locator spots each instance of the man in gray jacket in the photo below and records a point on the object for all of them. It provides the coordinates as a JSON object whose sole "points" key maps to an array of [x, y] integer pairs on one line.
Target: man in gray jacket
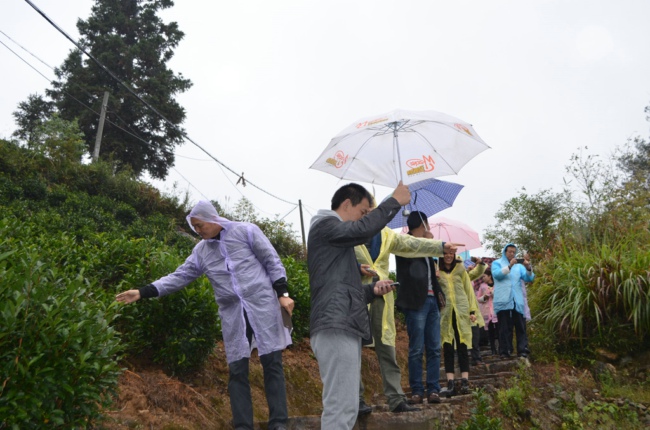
{"points": [[339, 314]]}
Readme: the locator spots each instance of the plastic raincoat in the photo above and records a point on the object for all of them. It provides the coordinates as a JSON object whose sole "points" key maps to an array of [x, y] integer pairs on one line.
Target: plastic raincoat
{"points": [[508, 293], [459, 291], [241, 266], [403, 245]]}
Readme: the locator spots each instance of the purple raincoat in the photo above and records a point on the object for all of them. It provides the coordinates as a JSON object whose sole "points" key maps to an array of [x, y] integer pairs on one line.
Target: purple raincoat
{"points": [[241, 266]]}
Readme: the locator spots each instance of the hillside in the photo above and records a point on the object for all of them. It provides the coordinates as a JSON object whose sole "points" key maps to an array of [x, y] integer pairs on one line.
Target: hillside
{"points": [[72, 235], [535, 395]]}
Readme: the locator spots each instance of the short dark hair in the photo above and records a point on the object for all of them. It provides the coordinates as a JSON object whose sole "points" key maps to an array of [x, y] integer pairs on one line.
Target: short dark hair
{"points": [[355, 192], [416, 219], [510, 246]]}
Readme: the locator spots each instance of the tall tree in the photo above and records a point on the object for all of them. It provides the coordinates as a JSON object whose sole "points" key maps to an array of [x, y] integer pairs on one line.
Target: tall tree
{"points": [[130, 39], [635, 160], [31, 114], [530, 221]]}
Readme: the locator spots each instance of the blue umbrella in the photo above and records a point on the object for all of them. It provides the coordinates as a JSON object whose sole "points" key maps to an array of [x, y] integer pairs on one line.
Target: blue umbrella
{"points": [[429, 196]]}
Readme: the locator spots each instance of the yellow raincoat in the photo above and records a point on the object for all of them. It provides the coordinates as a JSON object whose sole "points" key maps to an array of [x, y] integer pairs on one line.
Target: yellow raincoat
{"points": [[403, 245], [474, 274], [460, 296]]}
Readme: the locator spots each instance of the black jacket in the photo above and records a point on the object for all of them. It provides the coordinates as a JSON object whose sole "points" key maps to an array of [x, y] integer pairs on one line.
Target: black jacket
{"points": [[412, 277]]}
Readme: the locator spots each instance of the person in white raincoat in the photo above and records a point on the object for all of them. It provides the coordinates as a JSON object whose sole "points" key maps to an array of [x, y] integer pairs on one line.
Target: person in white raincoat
{"points": [[250, 288]]}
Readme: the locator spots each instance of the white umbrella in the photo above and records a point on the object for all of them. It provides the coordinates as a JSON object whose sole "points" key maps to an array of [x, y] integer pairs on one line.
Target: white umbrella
{"points": [[401, 145]]}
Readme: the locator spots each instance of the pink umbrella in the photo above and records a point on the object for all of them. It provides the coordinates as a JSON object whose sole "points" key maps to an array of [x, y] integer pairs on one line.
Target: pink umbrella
{"points": [[449, 230]]}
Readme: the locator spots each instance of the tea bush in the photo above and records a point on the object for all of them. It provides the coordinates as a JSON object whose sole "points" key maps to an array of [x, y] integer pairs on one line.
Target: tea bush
{"points": [[57, 347]]}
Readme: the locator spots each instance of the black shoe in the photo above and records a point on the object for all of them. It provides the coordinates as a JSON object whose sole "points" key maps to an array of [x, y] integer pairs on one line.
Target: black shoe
{"points": [[279, 427], [364, 409], [404, 407], [464, 386], [450, 390], [505, 356], [522, 355]]}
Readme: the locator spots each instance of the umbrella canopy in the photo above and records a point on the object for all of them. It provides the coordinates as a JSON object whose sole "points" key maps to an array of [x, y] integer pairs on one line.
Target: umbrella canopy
{"points": [[401, 145], [429, 196], [449, 230]]}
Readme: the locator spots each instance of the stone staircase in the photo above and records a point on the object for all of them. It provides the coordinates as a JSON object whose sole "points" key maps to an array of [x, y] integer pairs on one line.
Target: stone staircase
{"points": [[493, 374]]}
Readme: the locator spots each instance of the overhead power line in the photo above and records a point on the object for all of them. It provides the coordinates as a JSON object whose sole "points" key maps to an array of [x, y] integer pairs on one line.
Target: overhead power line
{"points": [[137, 96], [131, 132]]}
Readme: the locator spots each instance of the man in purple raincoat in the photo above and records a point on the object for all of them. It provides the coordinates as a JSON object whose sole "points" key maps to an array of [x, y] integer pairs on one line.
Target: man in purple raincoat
{"points": [[250, 287]]}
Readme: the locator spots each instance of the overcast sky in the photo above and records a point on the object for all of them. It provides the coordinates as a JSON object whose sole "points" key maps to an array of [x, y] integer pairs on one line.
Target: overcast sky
{"points": [[274, 81]]}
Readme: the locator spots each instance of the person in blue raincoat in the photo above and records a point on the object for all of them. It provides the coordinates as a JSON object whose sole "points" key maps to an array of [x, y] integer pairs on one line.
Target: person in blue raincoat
{"points": [[250, 287], [509, 300]]}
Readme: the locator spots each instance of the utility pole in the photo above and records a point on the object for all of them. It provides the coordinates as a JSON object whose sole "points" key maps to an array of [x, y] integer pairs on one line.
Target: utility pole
{"points": [[302, 227], [100, 127]]}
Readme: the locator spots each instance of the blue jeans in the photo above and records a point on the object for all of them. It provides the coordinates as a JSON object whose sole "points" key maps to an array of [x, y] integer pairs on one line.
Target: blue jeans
{"points": [[423, 328]]}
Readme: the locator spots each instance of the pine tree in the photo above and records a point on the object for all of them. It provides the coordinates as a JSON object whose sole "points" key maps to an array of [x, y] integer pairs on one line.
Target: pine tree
{"points": [[130, 39]]}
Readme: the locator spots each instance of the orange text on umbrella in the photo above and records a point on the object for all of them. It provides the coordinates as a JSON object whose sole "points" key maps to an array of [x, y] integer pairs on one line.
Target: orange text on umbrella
{"points": [[338, 160], [420, 165]]}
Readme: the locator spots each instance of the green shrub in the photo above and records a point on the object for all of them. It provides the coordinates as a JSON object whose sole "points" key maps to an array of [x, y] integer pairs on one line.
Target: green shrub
{"points": [[596, 295], [511, 401], [479, 420], [57, 348], [179, 331], [34, 189], [298, 279]]}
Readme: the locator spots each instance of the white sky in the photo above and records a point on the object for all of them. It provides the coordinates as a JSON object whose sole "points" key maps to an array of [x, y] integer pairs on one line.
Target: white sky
{"points": [[275, 81]]}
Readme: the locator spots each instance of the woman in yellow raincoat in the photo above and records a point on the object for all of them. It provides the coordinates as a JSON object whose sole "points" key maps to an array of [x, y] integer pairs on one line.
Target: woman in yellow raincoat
{"points": [[457, 318]]}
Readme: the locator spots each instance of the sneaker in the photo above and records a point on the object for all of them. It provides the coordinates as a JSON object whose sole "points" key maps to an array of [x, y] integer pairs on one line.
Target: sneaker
{"points": [[364, 409], [416, 399], [464, 386], [433, 398], [404, 407]]}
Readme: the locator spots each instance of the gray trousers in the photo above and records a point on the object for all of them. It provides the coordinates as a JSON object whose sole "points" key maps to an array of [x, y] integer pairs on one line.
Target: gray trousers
{"points": [[391, 375], [339, 362]]}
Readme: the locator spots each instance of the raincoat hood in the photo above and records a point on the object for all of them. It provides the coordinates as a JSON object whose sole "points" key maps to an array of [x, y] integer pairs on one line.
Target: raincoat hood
{"points": [[205, 211], [503, 252]]}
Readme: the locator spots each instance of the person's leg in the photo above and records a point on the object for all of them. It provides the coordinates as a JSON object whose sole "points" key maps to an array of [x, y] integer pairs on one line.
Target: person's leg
{"points": [[432, 346], [239, 390], [519, 323], [492, 337], [461, 349], [275, 389], [504, 332], [416, 321], [390, 372], [476, 348], [339, 362]]}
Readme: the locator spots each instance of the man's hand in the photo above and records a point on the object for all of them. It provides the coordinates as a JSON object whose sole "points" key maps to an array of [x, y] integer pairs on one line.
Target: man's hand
{"points": [[513, 262], [383, 287], [402, 194], [526, 264], [452, 247], [129, 296], [287, 303], [366, 270], [472, 318]]}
